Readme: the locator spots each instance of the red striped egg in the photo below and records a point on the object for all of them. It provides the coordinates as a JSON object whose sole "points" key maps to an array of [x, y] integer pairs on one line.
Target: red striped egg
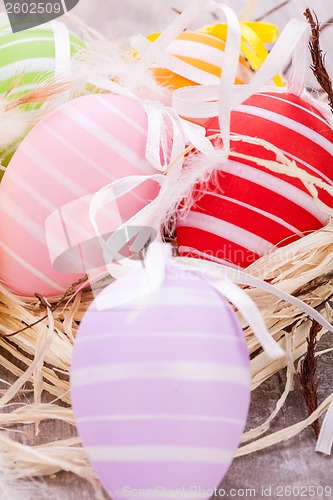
{"points": [[160, 388], [76, 150], [248, 210]]}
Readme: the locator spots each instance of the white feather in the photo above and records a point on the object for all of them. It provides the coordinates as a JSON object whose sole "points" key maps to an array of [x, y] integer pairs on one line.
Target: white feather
{"points": [[13, 123], [115, 63]]}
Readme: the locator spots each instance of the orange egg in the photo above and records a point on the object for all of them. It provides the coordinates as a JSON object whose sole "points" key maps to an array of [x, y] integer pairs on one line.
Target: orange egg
{"points": [[202, 51]]}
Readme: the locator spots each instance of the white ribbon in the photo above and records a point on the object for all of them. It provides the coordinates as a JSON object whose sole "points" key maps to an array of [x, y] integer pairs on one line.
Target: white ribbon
{"points": [[150, 275], [168, 135], [164, 123], [140, 44], [325, 440], [175, 184], [112, 247], [62, 55], [155, 52], [239, 298], [251, 313], [146, 218], [205, 101], [174, 187], [242, 278], [217, 272], [62, 48], [300, 64]]}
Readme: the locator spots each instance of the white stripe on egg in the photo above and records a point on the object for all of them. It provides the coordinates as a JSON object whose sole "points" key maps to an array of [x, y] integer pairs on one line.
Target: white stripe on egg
{"points": [[186, 370], [174, 454]]}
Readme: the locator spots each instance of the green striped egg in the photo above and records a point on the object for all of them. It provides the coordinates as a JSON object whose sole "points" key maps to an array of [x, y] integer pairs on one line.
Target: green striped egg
{"points": [[28, 58], [32, 53]]}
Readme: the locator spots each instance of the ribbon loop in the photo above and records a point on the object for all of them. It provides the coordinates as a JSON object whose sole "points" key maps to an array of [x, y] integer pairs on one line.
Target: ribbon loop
{"points": [[292, 36], [243, 278], [251, 313], [168, 135], [166, 139], [232, 53], [159, 257], [140, 44], [115, 190], [174, 29], [204, 102], [325, 440], [62, 48]]}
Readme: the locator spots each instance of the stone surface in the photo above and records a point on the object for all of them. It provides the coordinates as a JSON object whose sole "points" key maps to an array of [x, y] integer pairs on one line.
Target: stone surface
{"points": [[293, 463]]}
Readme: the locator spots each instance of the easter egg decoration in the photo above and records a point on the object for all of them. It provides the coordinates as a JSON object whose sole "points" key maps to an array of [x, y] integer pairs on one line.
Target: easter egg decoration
{"points": [[202, 51], [69, 155], [29, 58], [160, 387], [249, 209]]}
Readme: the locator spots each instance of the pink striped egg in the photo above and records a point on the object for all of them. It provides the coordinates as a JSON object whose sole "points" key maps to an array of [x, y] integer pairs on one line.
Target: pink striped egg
{"points": [[76, 150], [160, 388], [248, 209]]}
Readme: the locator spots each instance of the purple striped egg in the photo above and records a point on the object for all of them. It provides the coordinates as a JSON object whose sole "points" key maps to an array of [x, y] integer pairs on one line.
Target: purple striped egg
{"points": [[161, 388]]}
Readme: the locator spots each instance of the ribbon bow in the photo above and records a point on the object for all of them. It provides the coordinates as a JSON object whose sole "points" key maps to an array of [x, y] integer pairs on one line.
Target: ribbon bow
{"points": [[151, 275], [174, 179], [167, 130], [168, 135]]}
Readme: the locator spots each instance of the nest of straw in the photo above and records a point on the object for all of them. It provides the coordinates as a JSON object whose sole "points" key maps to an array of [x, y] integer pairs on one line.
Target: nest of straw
{"points": [[39, 357]]}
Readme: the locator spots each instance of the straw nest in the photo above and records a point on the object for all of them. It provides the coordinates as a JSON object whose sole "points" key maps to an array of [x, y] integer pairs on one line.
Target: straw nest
{"points": [[39, 357]]}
